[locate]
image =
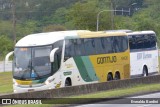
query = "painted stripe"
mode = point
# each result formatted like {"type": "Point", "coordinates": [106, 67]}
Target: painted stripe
{"type": "Point", "coordinates": [85, 68]}
{"type": "Point", "coordinates": [82, 69]}
{"type": "Point", "coordinates": [29, 82]}
{"type": "Point", "coordinates": [89, 67]}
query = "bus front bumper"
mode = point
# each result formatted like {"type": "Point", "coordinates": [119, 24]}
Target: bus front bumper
{"type": "Point", "coordinates": [22, 89]}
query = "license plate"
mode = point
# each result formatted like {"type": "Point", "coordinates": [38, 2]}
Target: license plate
{"type": "Point", "coordinates": [30, 90]}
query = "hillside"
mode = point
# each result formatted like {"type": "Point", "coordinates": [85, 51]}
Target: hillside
{"type": "Point", "coordinates": [33, 16]}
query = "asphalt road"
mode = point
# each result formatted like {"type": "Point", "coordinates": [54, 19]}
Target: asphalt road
{"type": "Point", "coordinates": [149, 100]}
{"type": "Point", "coordinates": [6, 67]}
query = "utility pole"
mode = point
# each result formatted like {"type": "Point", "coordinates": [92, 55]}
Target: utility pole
{"type": "Point", "coordinates": [112, 15]}
{"type": "Point", "coordinates": [14, 20]}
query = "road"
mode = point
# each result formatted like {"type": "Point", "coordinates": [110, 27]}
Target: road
{"type": "Point", "coordinates": [153, 99]}
{"type": "Point", "coordinates": [6, 67]}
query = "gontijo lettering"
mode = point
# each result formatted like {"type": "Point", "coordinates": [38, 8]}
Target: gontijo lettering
{"type": "Point", "coordinates": [107, 59]}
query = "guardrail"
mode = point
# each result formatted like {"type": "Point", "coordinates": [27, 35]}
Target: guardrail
{"type": "Point", "coordinates": [84, 89]}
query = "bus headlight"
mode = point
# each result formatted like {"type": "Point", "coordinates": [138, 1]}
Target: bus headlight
{"type": "Point", "coordinates": [15, 83]}
{"type": "Point", "coordinates": [15, 91]}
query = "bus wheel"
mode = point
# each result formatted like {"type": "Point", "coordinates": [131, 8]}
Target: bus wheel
{"type": "Point", "coordinates": [117, 76]}
{"type": "Point", "coordinates": [109, 77]}
{"type": "Point", "coordinates": [68, 82]}
{"type": "Point", "coordinates": [145, 71]}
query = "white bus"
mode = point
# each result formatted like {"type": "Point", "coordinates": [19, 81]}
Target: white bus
{"type": "Point", "coordinates": [143, 53]}
{"type": "Point", "coordinates": [68, 58]}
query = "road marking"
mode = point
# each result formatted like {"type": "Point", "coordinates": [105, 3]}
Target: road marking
{"type": "Point", "coordinates": [146, 105]}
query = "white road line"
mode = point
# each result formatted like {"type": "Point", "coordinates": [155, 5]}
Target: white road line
{"type": "Point", "coordinates": [146, 105]}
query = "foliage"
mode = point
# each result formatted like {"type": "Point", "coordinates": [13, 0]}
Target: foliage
{"type": "Point", "coordinates": [6, 45]}
{"type": "Point", "coordinates": [51, 28]}
{"type": "Point", "coordinates": [6, 28]}
{"type": "Point", "coordinates": [27, 27]}
{"type": "Point", "coordinates": [33, 16]}
{"type": "Point", "coordinates": [83, 15]}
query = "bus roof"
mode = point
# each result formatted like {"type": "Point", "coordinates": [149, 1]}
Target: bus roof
{"type": "Point", "coordinates": [120, 30]}
{"type": "Point", "coordinates": [46, 38]}
{"type": "Point", "coordinates": [141, 32]}
{"type": "Point", "coordinates": [101, 34]}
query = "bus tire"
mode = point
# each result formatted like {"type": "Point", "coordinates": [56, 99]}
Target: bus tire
{"type": "Point", "coordinates": [145, 71]}
{"type": "Point", "coordinates": [68, 82]}
{"type": "Point", "coordinates": [117, 76]}
{"type": "Point", "coordinates": [109, 77]}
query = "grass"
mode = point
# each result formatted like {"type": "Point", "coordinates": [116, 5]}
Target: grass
{"type": "Point", "coordinates": [6, 82]}
{"type": "Point", "coordinates": [144, 88]}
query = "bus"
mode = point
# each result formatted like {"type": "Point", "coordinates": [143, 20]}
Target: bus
{"type": "Point", "coordinates": [143, 53]}
{"type": "Point", "coordinates": [68, 58]}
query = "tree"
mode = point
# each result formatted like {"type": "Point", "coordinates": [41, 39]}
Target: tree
{"type": "Point", "coordinates": [27, 27]}
{"type": "Point", "coordinates": [84, 15]}
{"type": "Point", "coordinates": [51, 28]}
{"type": "Point", "coordinates": [6, 45]}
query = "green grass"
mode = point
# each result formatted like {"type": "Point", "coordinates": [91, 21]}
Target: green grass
{"type": "Point", "coordinates": [6, 82]}
{"type": "Point", "coordinates": [122, 92]}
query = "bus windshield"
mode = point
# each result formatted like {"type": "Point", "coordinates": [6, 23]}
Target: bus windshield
{"type": "Point", "coordinates": [32, 63]}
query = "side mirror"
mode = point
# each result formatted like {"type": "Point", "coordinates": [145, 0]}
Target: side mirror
{"type": "Point", "coordinates": [52, 54]}
{"type": "Point", "coordinates": [7, 56]}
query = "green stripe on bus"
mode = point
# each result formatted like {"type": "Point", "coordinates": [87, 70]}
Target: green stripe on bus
{"type": "Point", "coordinates": [90, 70]}
{"type": "Point", "coordinates": [82, 69]}
{"type": "Point", "coordinates": [39, 81]}
{"type": "Point", "coordinates": [85, 68]}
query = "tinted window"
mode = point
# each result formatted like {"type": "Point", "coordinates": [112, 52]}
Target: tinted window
{"type": "Point", "coordinates": [120, 43]}
{"type": "Point", "coordinates": [152, 41]}
{"type": "Point", "coordinates": [79, 47]}
{"type": "Point", "coordinates": [132, 42]}
{"type": "Point", "coordinates": [58, 55]}
{"type": "Point", "coordinates": [107, 43]}
{"type": "Point", "coordinates": [99, 46]}
{"type": "Point", "coordinates": [89, 46]}
{"type": "Point", "coordinates": [147, 41]}
{"type": "Point", "coordinates": [140, 41]}
{"type": "Point", "coordinates": [69, 48]}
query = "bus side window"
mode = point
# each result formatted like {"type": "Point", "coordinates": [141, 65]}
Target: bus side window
{"type": "Point", "coordinates": [116, 44]}
{"type": "Point", "coordinates": [56, 63]}
{"type": "Point", "coordinates": [67, 54]}
{"type": "Point", "coordinates": [79, 47]}
{"type": "Point", "coordinates": [69, 49]}
{"type": "Point", "coordinates": [89, 46]}
{"type": "Point", "coordinates": [99, 47]}
{"type": "Point", "coordinates": [58, 54]}
{"type": "Point", "coordinates": [104, 45]}
{"type": "Point", "coordinates": [132, 42]}
{"type": "Point", "coordinates": [146, 41]}
{"type": "Point", "coordinates": [108, 44]}
{"type": "Point", "coordinates": [140, 41]}
{"type": "Point", "coordinates": [152, 41]}
{"type": "Point", "coordinates": [124, 43]}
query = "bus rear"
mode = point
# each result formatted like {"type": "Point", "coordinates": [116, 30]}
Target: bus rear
{"type": "Point", "coordinates": [144, 53]}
